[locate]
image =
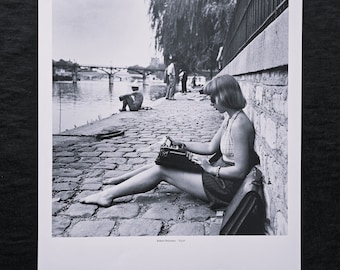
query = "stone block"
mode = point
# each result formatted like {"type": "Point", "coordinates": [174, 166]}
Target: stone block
{"type": "Point", "coordinates": [135, 141]}
{"type": "Point", "coordinates": [67, 179]}
{"type": "Point", "coordinates": [95, 173]}
{"type": "Point", "coordinates": [258, 95]}
{"type": "Point", "coordinates": [84, 194]}
{"type": "Point", "coordinates": [57, 206]}
{"type": "Point", "coordinates": [131, 155]}
{"type": "Point", "coordinates": [78, 165]}
{"type": "Point", "coordinates": [267, 104]}
{"type": "Point", "coordinates": [81, 210]}
{"type": "Point", "coordinates": [119, 211]}
{"type": "Point", "coordinates": [271, 133]}
{"type": "Point", "coordinates": [89, 159]}
{"type": "Point", "coordinates": [59, 225]}
{"type": "Point", "coordinates": [125, 167]}
{"type": "Point", "coordinates": [126, 149]}
{"type": "Point", "coordinates": [124, 199]}
{"type": "Point", "coordinates": [93, 180]}
{"type": "Point", "coordinates": [198, 213]}
{"type": "Point", "coordinates": [153, 197]}
{"type": "Point", "coordinates": [114, 173]}
{"type": "Point", "coordinates": [86, 149]}
{"type": "Point", "coordinates": [282, 141]}
{"type": "Point", "coordinates": [269, 168]}
{"type": "Point", "coordinates": [188, 200]}
{"type": "Point", "coordinates": [280, 224]}
{"type": "Point", "coordinates": [89, 154]}
{"type": "Point", "coordinates": [99, 228]}
{"type": "Point", "coordinates": [133, 161]}
{"type": "Point", "coordinates": [279, 101]}
{"type": "Point", "coordinates": [91, 186]}
{"type": "Point", "coordinates": [66, 160]}
{"type": "Point", "coordinates": [140, 227]}
{"type": "Point", "coordinates": [262, 129]}
{"type": "Point", "coordinates": [65, 195]}
{"type": "Point", "coordinates": [64, 186]}
{"type": "Point", "coordinates": [64, 172]}
{"type": "Point", "coordinates": [164, 211]}
{"type": "Point", "coordinates": [149, 154]}
{"type": "Point", "coordinates": [105, 147]}
{"type": "Point", "coordinates": [256, 122]}
{"type": "Point", "coordinates": [166, 188]}
{"type": "Point", "coordinates": [111, 154]}
{"type": "Point", "coordinates": [115, 160]}
{"type": "Point", "coordinates": [186, 229]}
{"type": "Point", "coordinates": [64, 154]}
{"type": "Point", "coordinates": [109, 164]}
{"type": "Point", "coordinates": [124, 145]}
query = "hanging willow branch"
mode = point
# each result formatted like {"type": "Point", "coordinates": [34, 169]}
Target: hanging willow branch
{"type": "Point", "coordinates": [192, 30]}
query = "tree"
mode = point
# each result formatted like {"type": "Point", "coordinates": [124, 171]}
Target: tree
{"type": "Point", "coordinates": [191, 30]}
{"type": "Point", "coordinates": [67, 65]}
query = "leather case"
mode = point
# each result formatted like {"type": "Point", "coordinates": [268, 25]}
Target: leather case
{"type": "Point", "coordinates": [246, 213]}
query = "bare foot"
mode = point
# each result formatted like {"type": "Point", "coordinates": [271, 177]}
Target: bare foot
{"type": "Point", "coordinates": [98, 199]}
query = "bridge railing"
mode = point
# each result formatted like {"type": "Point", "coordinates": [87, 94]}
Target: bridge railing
{"type": "Point", "coordinates": [250, 18]}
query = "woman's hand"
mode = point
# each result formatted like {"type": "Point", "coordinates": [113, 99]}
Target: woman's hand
{"type": "Point", "coordinates": [179, 144]}
{"type": "Point", "coordinates": [207, 166]}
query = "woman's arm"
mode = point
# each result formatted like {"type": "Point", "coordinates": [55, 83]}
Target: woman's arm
{"type": "Point", "coordinates": [240, 133]}
{"type": "Point", "coordinates": [207, 148]}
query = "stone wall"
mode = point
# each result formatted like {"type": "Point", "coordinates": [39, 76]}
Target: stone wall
{"type": "Point", "coordinates": [262, 71]}
{"type": "Point", "coordinates": [267, 93]}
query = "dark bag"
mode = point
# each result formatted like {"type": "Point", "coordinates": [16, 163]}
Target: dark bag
{"type": "Point", "coordinates": [245, 214]}
{"type": "Point", "coordinates": [166, 77]}
{"type": "Point", "coordinates": [175, 156]}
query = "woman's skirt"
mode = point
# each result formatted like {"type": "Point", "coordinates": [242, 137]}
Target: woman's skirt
{"type": "Point", "coordinates": [220, 191]}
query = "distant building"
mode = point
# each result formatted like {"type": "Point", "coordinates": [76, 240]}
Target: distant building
{"type": "Point", "coordinates": [155, 62]}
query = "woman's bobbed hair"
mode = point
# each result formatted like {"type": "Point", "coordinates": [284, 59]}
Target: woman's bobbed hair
{"type": "Point", "coordinates": [228, 91]}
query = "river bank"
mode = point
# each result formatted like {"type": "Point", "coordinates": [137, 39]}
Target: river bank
{"type": "Point", "coordinates": [89, 101]}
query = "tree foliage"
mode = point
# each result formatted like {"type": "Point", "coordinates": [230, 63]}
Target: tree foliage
{"type": "Point", "coordinates": [67, 65]}
{"type": "Point", "coordinates": [191, 30]}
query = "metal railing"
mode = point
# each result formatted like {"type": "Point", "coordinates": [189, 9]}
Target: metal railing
{"type": "Point", "coordinates": [250, 18]}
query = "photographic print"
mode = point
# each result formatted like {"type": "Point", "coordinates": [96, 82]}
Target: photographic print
{"type": "Point", "coordinates": [171, 125]}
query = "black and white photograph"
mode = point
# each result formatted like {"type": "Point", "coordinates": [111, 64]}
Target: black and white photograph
{"type": "Point", "coordinates": [170, 126]}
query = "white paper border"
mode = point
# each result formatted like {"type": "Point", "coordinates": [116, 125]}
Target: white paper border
{"type": "Point", "coordinates": [204, 252]}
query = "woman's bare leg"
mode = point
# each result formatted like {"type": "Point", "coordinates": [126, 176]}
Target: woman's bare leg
{"type": "Point", "coordinates": [123, 177]}
{"type": "Point", "coordinates": [189, 182]}
{"type": "Point", "coordinates": [147, 180]}
{"type": "Point", "coordinates": [142, 182]}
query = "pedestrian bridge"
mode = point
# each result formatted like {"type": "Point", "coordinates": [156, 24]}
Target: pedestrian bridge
{"type": "Point", "coordinates": [109, 70]}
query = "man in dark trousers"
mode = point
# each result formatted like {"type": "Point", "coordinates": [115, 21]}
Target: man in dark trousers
{"type": "Point", "coordinates": [134, 100]}
{"type": "Point", "coordinates": [171, 73]}
{"type": "Point", "coordinates": [183, 77]}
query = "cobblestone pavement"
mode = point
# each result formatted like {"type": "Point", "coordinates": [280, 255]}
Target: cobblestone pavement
{"type": "Point", "coordinates": [81, 163]}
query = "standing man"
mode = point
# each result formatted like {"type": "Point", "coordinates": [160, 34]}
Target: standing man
{"type": "Point", "coordinates": [171, 72]}
{"type": "Point", "coordinates": [193, 82]}
{"type": "Point", "coordinates": [184, 77]}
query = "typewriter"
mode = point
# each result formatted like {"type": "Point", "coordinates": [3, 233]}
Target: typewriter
{"type": "Point", "coordinates": [175, 156]}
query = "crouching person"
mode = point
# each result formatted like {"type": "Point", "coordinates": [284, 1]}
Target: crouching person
{"type": "Point", "coordinates": [133, 101]}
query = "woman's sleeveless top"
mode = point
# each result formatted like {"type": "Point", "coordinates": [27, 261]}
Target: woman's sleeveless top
{"type": "Point", "coordinates": [226, 143]}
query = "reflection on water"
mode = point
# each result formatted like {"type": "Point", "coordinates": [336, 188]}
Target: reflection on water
{"type": "Point", "coordinates": [87, 101]}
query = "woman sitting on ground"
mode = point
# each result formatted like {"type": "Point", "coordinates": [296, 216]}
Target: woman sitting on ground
{"type": "Point", "coordinates": [218, 182]}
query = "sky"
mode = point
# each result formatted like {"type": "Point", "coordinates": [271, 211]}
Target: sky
{"type": "Point", "coordinates": [102, 32]}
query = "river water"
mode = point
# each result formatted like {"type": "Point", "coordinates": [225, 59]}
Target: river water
{"type": "Point", "coordinates": [77, 104]}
